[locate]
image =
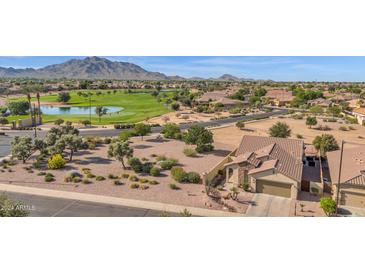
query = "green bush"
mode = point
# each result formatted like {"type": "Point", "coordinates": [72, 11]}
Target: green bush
{"type": "Point", "coordinates": [135, 164]}
{"type": "Point", "coordinates": [146, 168]}
{"type": "Point", "coordinates": [193, 177]}
{"type": "Point", "coordinates": [328, 205]}
{"type": "Point", "coordinates": [155, 171]}
{"type": "Point", "coordinates": [49, 177]}
{"type": "Point", "coordinates": [168, 164]}
{"type": "Point", "coordinates": [161, 158]}
{"type": "Point", "coordinates": [56, 162]}
{"type": "Point", "coordinates": [100, 178]}
{"type": "Point", "coordinates": [189, 152]}
{"type": "Point", "coordinates": [178, 174]}
{"type": "Point", "coordinates": [153, 182]}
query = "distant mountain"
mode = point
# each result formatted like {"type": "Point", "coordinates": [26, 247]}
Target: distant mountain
{"type": "Point", "coordinates": [88, 68]}
{"type": "Point", "coordinates": [97, 68]}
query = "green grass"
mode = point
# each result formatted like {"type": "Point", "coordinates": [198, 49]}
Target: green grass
{"type": "Point", "coordinates": [137, 106]}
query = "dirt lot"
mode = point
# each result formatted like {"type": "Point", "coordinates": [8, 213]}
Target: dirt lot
{"type": "Point", "coordinates": [186, 116]}
{"type": "Point", "coordinates": [231, 135]}
{"type": "Point", "coordinates": [100, 165]}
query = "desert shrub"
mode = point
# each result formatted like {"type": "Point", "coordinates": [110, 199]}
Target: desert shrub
{"type": "Point", "coordinates": [86, 181]}
{"type": "Point", "coordinates": [161, 158]}
{"type": "Point", "coordinates": [343, 128]}
{"type": "Point", "coordinates": [351, 128]}
{"type": "Point", "coordinates": [107, 140]}
{"type": "Point", "coordinates": [118, 183]}
{"type": "Point", "coordinates": [91, 146]}
{"type": "Point", "coordinates": [135, 164]}
{"type": "Point", "coordinates": [134, 186]}
{"type": "Point", "coordinates": [178, 174]}
{"type": "Point", "coordinates": [58, 122]}
{"type": "Point", "coordinates": [299, 136]}
{"type": "Point", "coordinates": [143, 181]}
{"type": "Point", "coordinates": [112, 176]}
{"type": "Point", "coordinates": [146, 168]}
{"type": "Point", "coordinates": [153, 155]}
{"type": "Point", "coordinates": [100, 178]}
{"type": "Point", "coordinates": [168, 164]}
{"type": "Point", "coordinates": [204, 148]}
{"type": "Point", "coordinates": [133, 178]}
{"type": "Point", "coordinates": [185, 213]}
{"type": "Point", "coordinates": [90, 175]}
{"type": "Point", "coordinates": [42, 173]}
{"type": "Point", "coordinates": [155, 171]}
{"type": "Point", "coordinates": [189, 152]}
{"type": "Point", "coordinates": [125, 175]}
{"type": "Point", "coordinates": [351, 120]}
{"type": "Point", "coordinates": [76, 180]}
{"type": "Point", "coordinates": [153, 182]}
{"type": "Point", "coordinates": [37, 164]}
{"type": "Point", "coordinates": [49, 177]}
{"type": "Point", "coordinates": [56, 162]}
{"type": "Point", "coordinates": [174, 186]}
{"type": "Point", "coordinates": [144, 187]}
{"type": "Point", "coordinates": [193, 177]}
{"type": "Point", "coordinates": [245, 186]}
{"type": "Point", "coordinates": [86, 170]}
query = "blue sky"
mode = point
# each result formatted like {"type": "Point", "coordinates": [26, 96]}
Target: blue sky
{"type": "Point", "coordinates": [288, 68]}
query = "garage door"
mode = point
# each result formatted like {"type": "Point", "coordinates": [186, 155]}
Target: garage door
{"type": "Point", "coordinates": [352, 199]}
{"type": "Point", "coordinates": [273, 188]}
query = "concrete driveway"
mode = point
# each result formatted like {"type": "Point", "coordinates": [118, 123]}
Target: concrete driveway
{"type": "Point", "coordinates": [269, 206]}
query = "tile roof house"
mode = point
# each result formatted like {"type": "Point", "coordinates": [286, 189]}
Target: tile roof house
{"type": "Point", "coordinates": [219, 97]}
{"type": "Point", "coordinates": [280, 97]}
{"type": "Point", "coordinates": [352, 183]}
{"type": "Point", "coordinates": [320, 102]}
{"type": "Point", "coordinates": [269, 165]}
{"type": "Point", "coordinates": [359, 114]}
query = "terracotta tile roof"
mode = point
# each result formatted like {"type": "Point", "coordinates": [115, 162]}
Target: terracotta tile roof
{"type": "Point", "coordinates": [280, 94]}
{"type": "Point", "coordinates": [353, 165]}
{"type": "Point", "coordinates": [288, 153]}
{"type": "Point", "coordinates": [359, 111]}
{"type": "Point", "coordinates": [270, 164]}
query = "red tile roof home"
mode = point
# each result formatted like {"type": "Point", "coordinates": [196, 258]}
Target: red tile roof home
{"type": "Point", "coordinates": [283, 155]}
{"type": "Point", "coordinates": [281, 95]}
{"type": "Point", "coordinates": [353, 165]}
{"type": "Point", "coordinates": [360, 111]}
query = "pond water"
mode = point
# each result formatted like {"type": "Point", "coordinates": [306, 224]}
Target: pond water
{"type": "Point", "coordinates": [55, 110]}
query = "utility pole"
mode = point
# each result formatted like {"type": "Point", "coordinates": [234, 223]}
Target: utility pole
{"type": "Point", "coordinates": [339, 177]}
{"type": "Point", "coordinates": [90, 108]}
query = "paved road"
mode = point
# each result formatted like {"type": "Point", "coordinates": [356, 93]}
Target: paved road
{"type": "Point", "coordinates": [5, 140]}
{"type": "Point", "coordinates": [41, 206]}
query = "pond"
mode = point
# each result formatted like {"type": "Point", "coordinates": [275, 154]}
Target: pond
{"type": "Point", "coordinates": [55, 110]}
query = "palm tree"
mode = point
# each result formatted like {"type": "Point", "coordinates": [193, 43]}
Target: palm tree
{"type": "Point", "coordinates": [100, 111]}
{"type": "Point", "coordinates": [39, 107]}
{"type": "Point", "coordinates": [30, 108]}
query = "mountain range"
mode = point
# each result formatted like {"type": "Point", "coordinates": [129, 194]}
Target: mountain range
{"type": "Point", "coordinates": [98, 68]}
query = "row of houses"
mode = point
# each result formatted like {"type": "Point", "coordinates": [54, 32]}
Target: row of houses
{"type": "Point", "coordinates": [287, 167]}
